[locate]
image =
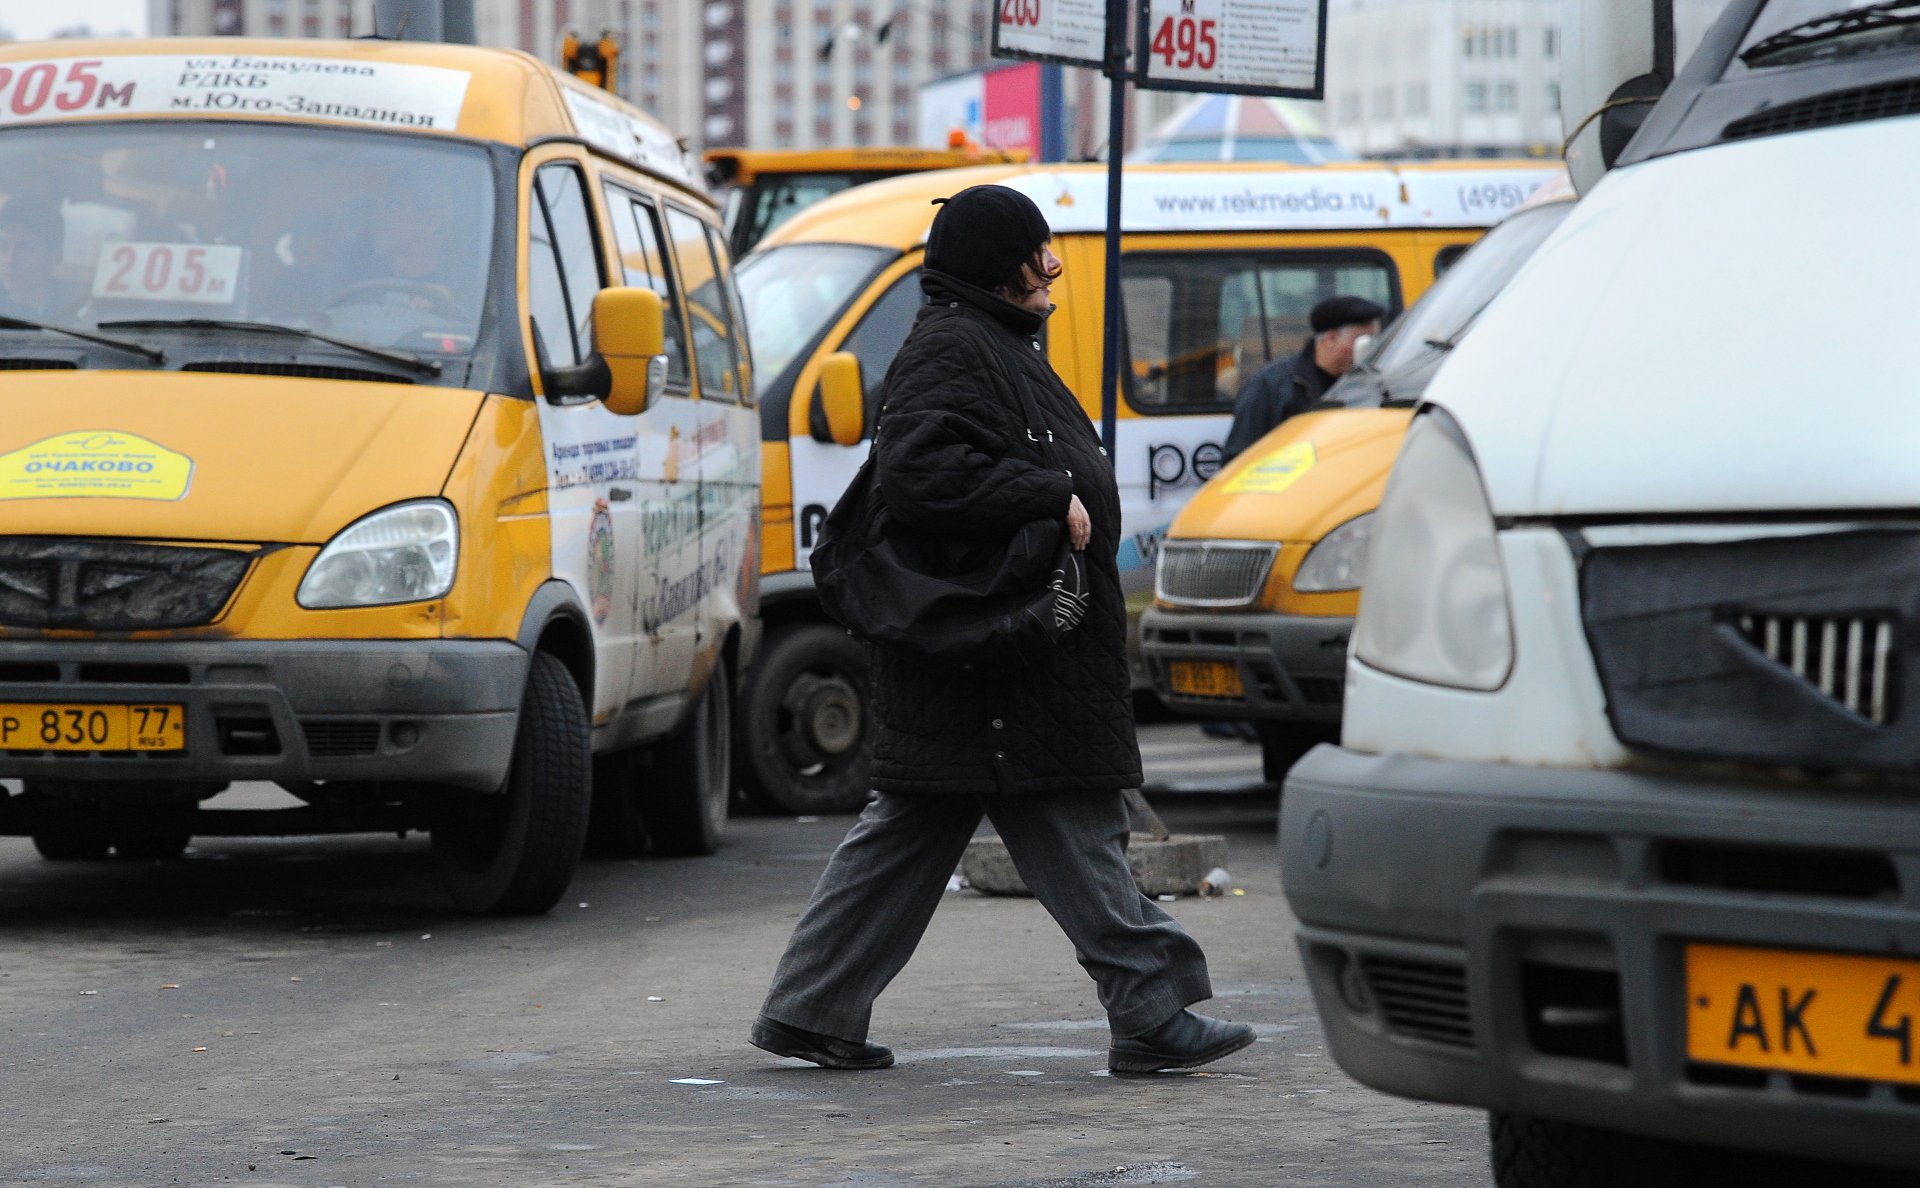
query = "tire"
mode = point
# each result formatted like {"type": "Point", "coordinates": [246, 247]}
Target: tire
{"type": "Point", "coordinates": [1282, 744]}
{"type": "Point", "coordinates": [805, 745]}
{"type": "Point", "coordinates": [158, 844]}
{"type": "Point", "coordinates": [617, 828]}
{"type": "Point", "coordinates": [514, 853]}
{"type": "Point", "coordinates": [74, 833]}
{"type": "Point", "coordinates": [1533, 1152]}
{"type": "Point", "coordinates": [684, 797]}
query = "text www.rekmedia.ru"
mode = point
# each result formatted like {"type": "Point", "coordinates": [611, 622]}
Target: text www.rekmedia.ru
{"type": "Point", "coordinates": [1249, 202]}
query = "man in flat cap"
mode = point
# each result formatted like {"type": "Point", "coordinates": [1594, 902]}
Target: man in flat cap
{"type": "Point", "coordinates": [1289, 386]}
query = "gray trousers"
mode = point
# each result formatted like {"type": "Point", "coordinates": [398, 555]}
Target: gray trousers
{"type": "Point", "coordinates": [881, 886]}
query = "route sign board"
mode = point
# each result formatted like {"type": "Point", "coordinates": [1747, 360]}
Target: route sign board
{"type": "Point", "coordinates": [1251, 47]}
{"type": "Point", "coordinates": [1069, 32]}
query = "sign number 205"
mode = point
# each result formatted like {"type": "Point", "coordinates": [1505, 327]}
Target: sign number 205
{"type": "Point", "coordinates": [201, 273]}
{"type": "Point", "coordinates": [1020, 12]}
{"type": "Point", "coordinates": [1189, 38]}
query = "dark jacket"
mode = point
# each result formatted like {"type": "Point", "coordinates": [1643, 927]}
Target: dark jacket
{"type": "Point", "coordinates": [1283, 388]}
{"type": "Point", "coordinates": [955, 461]}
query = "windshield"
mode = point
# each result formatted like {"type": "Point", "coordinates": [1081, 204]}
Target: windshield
{"type": "Point", "coordinates": [1791, 32]}
{"type": "Point", "coordinates": [793, 292]}
{"type": "Point", "coordinates": [776, 197]}
{"type": "Point", "coordinates": [1445, 311]}
{"type": "Point", "coordinates": [376, 239]}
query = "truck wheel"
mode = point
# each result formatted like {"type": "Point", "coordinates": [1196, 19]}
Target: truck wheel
{"type": "Point", "coordinates": [805, 721]}
{"type": "Point", "coordinates": [616, 829]}
{"type": "Point", "coordinates": [1533, 1152]}
{"type": "Point", "coordinates": [684, 798]}
{"type": "Point", "coordinates": [71, 832]}
{"type": "Point", "coordinates": [515, 853]}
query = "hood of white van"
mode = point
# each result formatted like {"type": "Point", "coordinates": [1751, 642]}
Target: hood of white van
{"type": "Point", "coordinates": [1723, 330]}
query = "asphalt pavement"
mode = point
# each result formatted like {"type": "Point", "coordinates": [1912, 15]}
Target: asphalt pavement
{"type": "Point", "coordinates": [312, 1012]}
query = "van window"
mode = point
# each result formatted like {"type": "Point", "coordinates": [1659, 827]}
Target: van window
{"type": "Point", "coordinates": [707, 315]}
{"type": "Point", "coordinates": [636, 228]}
{"type": "Point", "coordinates": [736, 318]}
{"type": "Point", "coordinates": [564, 272]}
{"type": "Point", "coordinates": [1445, 257]}
{"type": "Point", "coordinates": [1200, 324]}
{"type": "Point", "coordinates": [875, 341]}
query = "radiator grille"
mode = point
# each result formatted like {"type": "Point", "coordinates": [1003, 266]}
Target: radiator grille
{"type": "Point", "coordinates": [340, 740]}
{"type": "Point", "coordinates": [1421, 999]}
{"type": "Point", "coordinates": [1212, 573]}
{"type": "Point", "coordinates": [1838, 107]}
{"type": "Point", "coordinates": [113, 585]}
{"type": "Point", "coordinates": [1848, 659]}
{"type": "Point", "coordinates": [38, 365]}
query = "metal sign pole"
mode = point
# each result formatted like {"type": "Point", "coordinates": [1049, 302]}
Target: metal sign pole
{"type": "Point", "coordinates": [1111, 356]}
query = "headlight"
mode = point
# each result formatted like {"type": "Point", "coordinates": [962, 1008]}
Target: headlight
{"type": "Point", "coordinates": [1339, 561]}
{"type": "Point", "coordinates": [404, 553]}
{"type": "Point", "coordinates": [1434, 606]}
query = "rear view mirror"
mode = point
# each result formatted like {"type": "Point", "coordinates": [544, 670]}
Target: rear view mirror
{"type": "Point", "coordinates": [843, 397]}
{"type": "Point", "coordinates": [630, 333]}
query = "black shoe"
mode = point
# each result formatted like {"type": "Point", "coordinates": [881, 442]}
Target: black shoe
{"type": "Point", "coordinates": [1185, 1041]}
{"type": "Point", "coordinates": [824, 1050]}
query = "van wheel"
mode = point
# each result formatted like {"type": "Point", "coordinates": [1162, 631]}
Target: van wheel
{"type": "Point", "coordinates": [806, 721]}
{"type": "Point", "coordinates": [685, 798]}
{"type": "Point", "coordinates": [69, 832]}
{"type": "Point", "coordinates": [616, 828]}
{"type": "Point", "coordinates": [1283, 744]}
{"type": "Point", "coordinates": [514, 853]}
{"type": "Point", "coordinates": [1533, 1152]}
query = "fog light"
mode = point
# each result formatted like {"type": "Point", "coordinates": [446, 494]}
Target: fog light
{"type": "Point", "coordinates": [1353, 986]}
{"type": "Point", "coordinates": [403, 734]}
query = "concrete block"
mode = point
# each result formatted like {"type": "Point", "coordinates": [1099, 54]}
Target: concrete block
{"type": "Point", "coordinates": [1171, 867]}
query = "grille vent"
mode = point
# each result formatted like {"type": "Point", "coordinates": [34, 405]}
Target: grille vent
{"type": "Point", "coordinates": [38, 365]}
{"type": "Point", "coordinates": [302, 371]}
{"type": "Point", "coordinates": [1212, 573]}
{"type": "Point", "coordinates": [1837, 107]}
{"type": "Point", "coordinates": [1421, 999]}
{"type": "Point", "coordinates": [113, 585]}
{"type": "Point", "coordinates": [340, 740]}
{"type": "Point", "coordinates": [1850, 660]}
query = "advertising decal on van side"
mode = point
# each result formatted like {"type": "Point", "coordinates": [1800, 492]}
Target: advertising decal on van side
{"type": "Point", "coordinates": [356, 91]}
{"type": "Point", "coordinates": [632, 140]}
{"type": "Point", "coordinates": [1275, 200]}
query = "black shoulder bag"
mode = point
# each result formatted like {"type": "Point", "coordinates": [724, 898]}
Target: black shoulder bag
{"type": "Point", "coordinates": [945, 604]}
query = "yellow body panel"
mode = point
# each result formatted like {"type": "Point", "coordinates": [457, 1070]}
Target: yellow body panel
{"type": "Point", "coordinates": [506, 551]}
{"type": "Point", "coordinates": [749, 164]}
{"type": "Point", "coordinates": [275, 460]}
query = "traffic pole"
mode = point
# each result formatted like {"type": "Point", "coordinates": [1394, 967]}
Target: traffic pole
{"type": "Point", "coordinates": [1111, 361]}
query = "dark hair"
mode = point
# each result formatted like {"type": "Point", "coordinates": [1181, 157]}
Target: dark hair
{"type": "Point", "coordinates": [1017, 286]}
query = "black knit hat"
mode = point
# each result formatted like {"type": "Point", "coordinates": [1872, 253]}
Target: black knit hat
{"type": "Point", "coordinates": [983, 235]}
{"type": "Point", "coordinates": [1335, 312]}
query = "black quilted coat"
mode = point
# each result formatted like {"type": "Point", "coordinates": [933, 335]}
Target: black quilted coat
{"type": "Point", "coordinates": [955, 461]}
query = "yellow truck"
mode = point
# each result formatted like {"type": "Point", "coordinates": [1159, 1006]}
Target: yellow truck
{"type": "Point", "coordinates": [763, 188]}
{"type": "Point", "coordinates": [1259, 578]}
{"type": "Point", "coordinates": [1222, 264]}
{"type": "Point", "coordinates": [379, 423]}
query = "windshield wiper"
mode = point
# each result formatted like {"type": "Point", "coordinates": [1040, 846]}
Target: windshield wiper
{"type": "Point", "coordinates": [397, 358]}
{"type": "Point", "coordinates": [119, 344]}
{"type": "Point", "coordinates": [1847, 21]}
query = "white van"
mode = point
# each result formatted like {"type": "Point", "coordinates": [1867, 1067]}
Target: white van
{"type": "Point", "coordinates": [1622, 839]}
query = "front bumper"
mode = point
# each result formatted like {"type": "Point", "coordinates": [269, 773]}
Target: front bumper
{"type": "Point", "coordinates": [1292, 667]}
{"type": "Point", "coordinates": [1440, 900]}
{"type": "Point", "coordinates": [431, 711]}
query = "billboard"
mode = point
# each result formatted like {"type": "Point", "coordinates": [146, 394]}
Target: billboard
{"type": "Point", "coordinates": [998, 108]}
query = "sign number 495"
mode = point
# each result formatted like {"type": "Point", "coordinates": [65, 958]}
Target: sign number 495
{"type": "Point", "coordinates": [1189, 38]}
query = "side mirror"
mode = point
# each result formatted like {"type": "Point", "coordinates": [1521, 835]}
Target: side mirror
{"type": "Point", "coordinates": [843, 397]}
{"type": "Point", "coordinates": [630, 333]}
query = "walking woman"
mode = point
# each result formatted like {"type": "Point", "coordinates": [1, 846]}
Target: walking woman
{"type": "Point", "coordinates": [1044, 753]}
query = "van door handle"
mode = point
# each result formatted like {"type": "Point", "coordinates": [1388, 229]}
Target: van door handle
{"type": "Point", "coordinates": [619, 494]}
